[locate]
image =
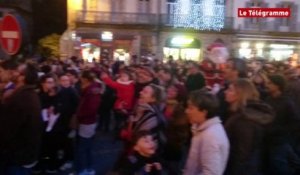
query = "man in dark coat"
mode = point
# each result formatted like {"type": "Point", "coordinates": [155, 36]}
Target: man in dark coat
{"type": "Point", "coordinates": [235, 68]}
{"type": "Point", "coordinates": [195, 79]}
{"type": "Point", "coordinates": [246, 132]}
{"type": "Point", "coordinates": [21, 126]}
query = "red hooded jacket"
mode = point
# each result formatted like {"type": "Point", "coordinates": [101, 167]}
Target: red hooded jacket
{"type": "Point", "coordinates": [125, 93]}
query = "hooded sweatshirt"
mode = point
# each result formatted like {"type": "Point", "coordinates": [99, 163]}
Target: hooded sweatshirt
{"type": "Point", "coordinates": [125, 93]}
{"type": "Point", "coordinates": [246, 130]}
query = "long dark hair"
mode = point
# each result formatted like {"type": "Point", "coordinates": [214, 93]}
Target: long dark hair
{"type": "Point", "coordinates": [31, 74]}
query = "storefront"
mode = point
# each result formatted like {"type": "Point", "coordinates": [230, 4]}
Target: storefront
{"type": "Point", "coordinates": [270, 50]}
{"type": "Point", "coordinates": [90, 50]}
{"type": "Point", "coordinates": [104, 45]}
{"type": "Point", "coordinates": [182, 47]}
{"type": "Point", "coordinates": [122, 49]}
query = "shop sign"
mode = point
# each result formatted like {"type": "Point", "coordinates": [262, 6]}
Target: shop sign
{"type": "Point", "coordinates": [107, 36]}
{"type": "Point", "coordinates": [182, 42]}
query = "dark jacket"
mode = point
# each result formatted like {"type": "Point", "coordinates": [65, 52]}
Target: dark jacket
{"type": "Point", "coordinates": [135, 164]}
{"type": "Point", "coordinates": [89, 104]}
{"type": "Point", "coordinates": [195, 82]}
{"type": "Point", "coordinates": [223, 104]}
{"type": "Point", "coordinates": [293, 91]}
{"type": "Point", "coordinates": [47, 101]}
{"type": "Point", "coordinates": [285, 110]}
{"type": "Point", "coordinates": [245, 130]}
{"type": "Point", "coordinates": [281, 155]}
{"type": "Point", "coordinates": [67, 102]}
{"type": "Point", "coordinates": [20, 127]}
{"type": "Point", "coordinates": [177, 133]}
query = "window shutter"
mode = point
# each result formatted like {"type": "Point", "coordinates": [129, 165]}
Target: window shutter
{"type": "Point", "coordinates": [247, 21]}
{"type": "Point", "coordinates": [278, 21]}
{"type": "Point", "coordinates": [263, 21]}
{"type": "Point", "coordinates": [294, 15]}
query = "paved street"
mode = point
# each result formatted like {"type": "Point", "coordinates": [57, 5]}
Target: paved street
{"type": "Point", "coordinates": [105, 153]}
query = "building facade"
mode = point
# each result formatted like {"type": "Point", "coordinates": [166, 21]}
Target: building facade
{"type": "Point", "coordinates": [120, 29]}
{"type": "Point", "coordinates": [270, 38]}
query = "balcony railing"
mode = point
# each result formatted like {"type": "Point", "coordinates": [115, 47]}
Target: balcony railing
{"type": "Point", "coordinates": [270, 26]}
{"type": "Point", "coordinates": [138, 18]}
{"type": "Point", "coordinates": [116, 18]}
{"type": "Point", "coordinates": [183, 20]}
{"type": "Point", "coordinates": [97, 17]}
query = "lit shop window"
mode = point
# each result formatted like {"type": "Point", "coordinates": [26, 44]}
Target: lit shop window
{"type": "Point", "coordinates": [90, 52]}
{"type": "Point", "coordinates": [259, 49]}
{"type": "Point", "coordinates": [245, 51]}
{"type": "Point", "coordinates": [281, 51]}
{"type": "Point", "coordinates": [122, 55]}
{"type": "Point", "coordinates": [185, 53]}
{"type": "Point", "coordinates": [171, 51]}
{"type": "Point", "coordinates": [190, 54]}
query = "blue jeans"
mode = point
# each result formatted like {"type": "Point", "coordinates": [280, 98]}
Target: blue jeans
{"type": "Point", "coordinates": [15, 170]}
{"type": "Point", "coordinates": [83, 153]}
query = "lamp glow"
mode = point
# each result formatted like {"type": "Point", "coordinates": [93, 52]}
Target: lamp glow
{"type": "Point", "coordinates": [245, 45]}
{"type": "Point", "coordinates": [181, 41]}
{"type": "Point", "coordinates": [107, 36]}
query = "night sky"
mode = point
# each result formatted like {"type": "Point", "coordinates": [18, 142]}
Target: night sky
{"type": "Point", "coordinates": [49, 16]}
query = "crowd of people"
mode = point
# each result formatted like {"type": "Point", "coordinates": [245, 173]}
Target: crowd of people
{"type": "Point", "coordinates": [174, 117]}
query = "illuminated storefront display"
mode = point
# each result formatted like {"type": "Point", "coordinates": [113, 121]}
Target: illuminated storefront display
{"type": "Point", "coordinates": [90, 52]}
{"type": "Point", "coordinates": [259, 49]}
{"type": "Point", "coordinates": [281, 51]}
{"type": "Point", "coordinates": [270, 51]}
{"type": "Point", "coordinates": [184, 47]}
{"type": "Point", "coordinates": [245, 51]}
{"type": "Point", "coordinates": [122, 50]}
{"type": "Point", "coordinates": [107, 36]}
{"type": "Point", "coordinates": [121, 55]}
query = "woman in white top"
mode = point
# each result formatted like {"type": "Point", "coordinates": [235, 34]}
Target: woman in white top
{"type": "Point", "coordinates": [209, 145]}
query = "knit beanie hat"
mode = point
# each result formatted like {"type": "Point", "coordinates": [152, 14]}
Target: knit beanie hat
{"type": "Point", "coordinates": [279, 81]}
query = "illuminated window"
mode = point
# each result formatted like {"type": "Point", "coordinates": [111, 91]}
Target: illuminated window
{"type": "Point", "coordinates": [245, 53]}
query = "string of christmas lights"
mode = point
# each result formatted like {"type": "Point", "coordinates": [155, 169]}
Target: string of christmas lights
{"type": "Point", "coordinates": [200, 15]}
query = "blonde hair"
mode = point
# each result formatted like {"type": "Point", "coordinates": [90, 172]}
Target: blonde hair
{"type": "Point", "coordinates": [246, 91]}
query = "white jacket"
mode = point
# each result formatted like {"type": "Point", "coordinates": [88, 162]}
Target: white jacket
{"type": "Point", "coordinates": [209, 149]}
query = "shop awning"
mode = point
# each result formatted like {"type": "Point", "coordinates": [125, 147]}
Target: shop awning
{"type": "Point", "coordinates": [183, 42]}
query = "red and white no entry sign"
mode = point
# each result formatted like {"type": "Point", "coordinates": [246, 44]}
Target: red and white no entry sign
{"type": "Point", "coordinates": [10, 34]}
